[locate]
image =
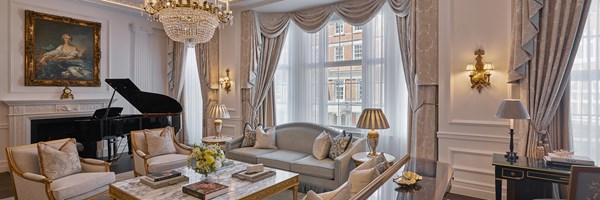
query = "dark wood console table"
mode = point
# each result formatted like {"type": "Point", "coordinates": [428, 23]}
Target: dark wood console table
{"type": "Point", "coordinates": [528, 178]}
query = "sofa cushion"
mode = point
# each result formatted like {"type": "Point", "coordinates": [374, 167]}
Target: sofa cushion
{"type": "Point", "coordinates": [247, 154]}
{"type": "Point", "coordinates": [166, 162]}
{"type": "Point", "coordinates": [81, 183]}
{"type": "Point", "coordinates": [339, 144]}
{"type": "Point", "coordinates": [313, 167]}
{"type": "Point", "coordinates": [249, 136]}
{"type": "Point", "coordinates": [321, 146]}
{"type": "Point", "coordinates": [265, 140]}
{"type": "Point", "coordinates": [281, 159]}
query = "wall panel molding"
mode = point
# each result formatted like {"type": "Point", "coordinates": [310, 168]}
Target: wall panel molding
{"type": "Point", "coordinates": [477, 137]}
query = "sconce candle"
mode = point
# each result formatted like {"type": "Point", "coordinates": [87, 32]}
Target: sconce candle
{"type": "Point", "coordinates": [480, 74]}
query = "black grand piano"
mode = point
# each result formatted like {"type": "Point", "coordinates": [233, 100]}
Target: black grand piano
{"type": "Point", "coordinates": [107, 123]}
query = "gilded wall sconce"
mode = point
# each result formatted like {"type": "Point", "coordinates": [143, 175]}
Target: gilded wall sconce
{"type": "Point", "coordinates": [480, 72]}
{"type": "Point", "coordinates": [225, 82]}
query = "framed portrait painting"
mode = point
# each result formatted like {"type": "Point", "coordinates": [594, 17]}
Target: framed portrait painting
{"type": "Point", "coordinates": [61, 51]}
{"type": "Point", "coordinates": [585, 183]}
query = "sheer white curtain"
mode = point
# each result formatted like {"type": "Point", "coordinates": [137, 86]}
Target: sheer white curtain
{"type": "Point", "coordinates": [300, 80]}
{"type": "Point", "coordinates": [371, 76]}
{"type": "Point", "coordinates": [192, 100]}
{"type": "Point", "coordinates": [585, 89]}
{"type": "Point", "coordinates": [383, 80]}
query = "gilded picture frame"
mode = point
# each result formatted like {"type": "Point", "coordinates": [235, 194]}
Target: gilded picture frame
{"type": "Point", "coordinates": [61, 51]}
{"type": "Point", "coordinates": [585, 182]}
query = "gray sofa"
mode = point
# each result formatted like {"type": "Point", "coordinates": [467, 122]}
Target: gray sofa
{"type": "Point", "coordinates": [295, 142]}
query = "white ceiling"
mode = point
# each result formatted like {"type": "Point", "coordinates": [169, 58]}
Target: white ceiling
{"type": "Point", "coordinates": [257, 5]}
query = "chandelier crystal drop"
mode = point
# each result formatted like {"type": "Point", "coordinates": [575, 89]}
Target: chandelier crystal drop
{"type": "Point", "coordinates": [189, 21]}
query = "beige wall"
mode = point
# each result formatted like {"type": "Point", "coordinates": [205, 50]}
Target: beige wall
{"type": "Point", "coordinates": [468, 131]}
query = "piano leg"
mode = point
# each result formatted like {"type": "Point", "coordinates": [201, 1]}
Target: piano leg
{"type": "Point", "coordinates": [109, 142]}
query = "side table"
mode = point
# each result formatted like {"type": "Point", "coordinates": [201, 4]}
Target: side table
{"type": "Point", "coordinates": [210, 140]}
{"type": "Point", "coordinates": [361, 157]}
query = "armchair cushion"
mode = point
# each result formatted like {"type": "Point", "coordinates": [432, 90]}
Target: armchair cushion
{"type": "Point", "coordinates": [317, 168]}
{"type": "Point", "coordinates": [61, 162]}
{"type": "Point", "coordinates": [166, 162]}
{"type": "Point", "coordinates": [160, 144]}
{"type": "Point", "coordinates": [248, 154]}
{"type": "Point", "coordinates": [281, 159]}
{"type": "Point", "coordinates": [78, 184]}
{"type": "Point", "coordinates": [361, 178]}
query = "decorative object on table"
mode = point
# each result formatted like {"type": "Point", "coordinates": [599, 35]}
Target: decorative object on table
{"type": "Point", "coordinates": [585, 183]}
{"type": "Point", "coordinates": [67, 93]}
{"type": "Point", "coordinates": [210, 140]}
{"type": "Point", "coordinates": [339, 144]}
{"type": "Point", "coordinates": [218, 111]}
{"type": "Point", "coordinates": [480, 72]}
{"type": "Point", "coordinates": [205, 189]}
{"type": "Point", "coordinates": [255, 168]}
{"type": "Point", "coordinates": [61, 51]}
{"type": "Point", "coordinates": [253, 176]}
{"type": "Point", "coordinates": [163, 175]}
{"type": "Point", "coordinates": [372, 118]}
{"type": "Point", "coordinates": [567, 159]}
{"type": "Point", "coordinates": [191, 21]}
{"type": "Point", "coordinates": [163, 183]}
{"type": "Point", "coordinates": [206, 159]}
{"type": "Point", "coordinates": [321, 146]}
{"type": "Point", "coordinates": [407, 179]}
{"type": "Point", "coordinates": [512, 109]}
{"type": "Point", "coordinates": [225, 82]}
{"type": "Point", "coordinates": [265, 140]}
{"type": "Point", "coordinates": [249, 135]}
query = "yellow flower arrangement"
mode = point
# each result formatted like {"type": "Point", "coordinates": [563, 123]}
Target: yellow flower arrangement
{"type": "Point", "coordinates": [205, 159]}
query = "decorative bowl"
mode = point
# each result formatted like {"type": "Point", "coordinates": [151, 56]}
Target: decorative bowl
{"type": "Point", "coordinates": [412, 175]}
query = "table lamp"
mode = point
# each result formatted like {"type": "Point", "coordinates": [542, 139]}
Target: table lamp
{"type": "Point", "coordinates": [372, 118]}
{"type": "Point", "coordinates": [512, 109]}
{"type": "Point", "coordinates": [218, 111]}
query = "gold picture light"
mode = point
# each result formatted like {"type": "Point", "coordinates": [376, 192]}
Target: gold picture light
{"type": "Point", "coordinates": [480, 72]}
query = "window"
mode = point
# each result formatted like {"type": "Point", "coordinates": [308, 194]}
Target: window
{"type": "Point", "coordinates": [339, 90]}
{"type": "Point", "coordinates": [585, 90]}
{"type": "Point", "coordinates": [356, 29]}
{"type": "Point", "coordinates": [338, 53]}
{"type": "Point", "coordinates": [357, 52]}
{"type": "Point", "coordinates": [339, 27]}
{"type": "Point", "coordinates": [192, 100]}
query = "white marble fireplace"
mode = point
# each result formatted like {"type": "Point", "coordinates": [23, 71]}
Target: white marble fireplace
{"type": "Point", "coordinates": [22, 112]}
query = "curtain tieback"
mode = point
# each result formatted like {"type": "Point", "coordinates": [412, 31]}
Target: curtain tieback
{"type": "Point", "coordinates": [421, 104]}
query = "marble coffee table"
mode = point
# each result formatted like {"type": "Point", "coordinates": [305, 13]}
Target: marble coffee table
{"type": "Point", "coordinates": [238, 189]}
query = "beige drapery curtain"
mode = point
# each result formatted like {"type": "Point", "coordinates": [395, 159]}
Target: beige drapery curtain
{"type": "Point", "coordinates": [421, 80]}
{"type": "Point", "coordinates": [201, 51]}
{"type": "Point", "coordinates": [545, 41]}
{"type": "Point", "coordinates": [176, 56]}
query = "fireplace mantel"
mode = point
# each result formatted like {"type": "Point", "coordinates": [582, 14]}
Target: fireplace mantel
{"type": "Point", "coordinates": [21, 112]}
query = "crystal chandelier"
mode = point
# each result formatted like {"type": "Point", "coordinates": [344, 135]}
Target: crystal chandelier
{"type": "Point", "coordinates": [189, 21]}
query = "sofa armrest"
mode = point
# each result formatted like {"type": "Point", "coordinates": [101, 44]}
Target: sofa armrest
{"type": "Point", "coordinates": [94, 165]}
{"type": "Point", "coordinates": [235, 143]}
{"type": "Point", "coordinates": [342, 163]}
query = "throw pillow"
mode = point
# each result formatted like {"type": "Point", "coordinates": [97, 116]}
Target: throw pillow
{"type": "Point", "coordinates": [339, 144]}
{"type": "Point", "coordinates": [265, 140]}
{"type": "Point", "coordinates": [321, 146]}
{"type": "Point", "coordinates": [61, 162]}
{"type": "Point", "coordinates": [249, 136]}
{"type": "Point", "coordinates": [358, 179]}
{"type": "Point", "coordinates": [310, 195]}
{"type": "Point", "coordinates": [381, 163]}
{"type": "Point", "coordinates": [344, 193]}
{"type": "Point", "coordinates": [160, 144]}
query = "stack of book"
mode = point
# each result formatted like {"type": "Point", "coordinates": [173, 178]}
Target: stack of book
{"type": "Point", "coordinates": [205, 189]}
{"type": "Point", "coordinates": [553, 159]}
{"type": "Point", "coordinates": [162, 179]}
{"type": "Point", "coordinates": [253, 176]}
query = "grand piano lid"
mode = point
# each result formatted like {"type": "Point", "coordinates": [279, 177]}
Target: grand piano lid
{"type": "Point", "coordinates": [145, 102]}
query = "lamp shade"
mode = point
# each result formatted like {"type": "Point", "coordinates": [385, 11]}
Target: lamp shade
{"type": "Point", "coordinates": [218, 111]}
{"type": "Point", "coordinates": [488, 66]}
{"type": "Point", "coordinates": [372, 118]}
{"type": "Point", "coordinates": [470, 67]}
{"type": "Point", "coordinates": [512, 109]}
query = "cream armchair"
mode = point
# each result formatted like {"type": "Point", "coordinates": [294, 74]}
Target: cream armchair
{"type": "Point", "coordinates": [30, 184]}
{"type": "Point", "coordinates": [144, 164]}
